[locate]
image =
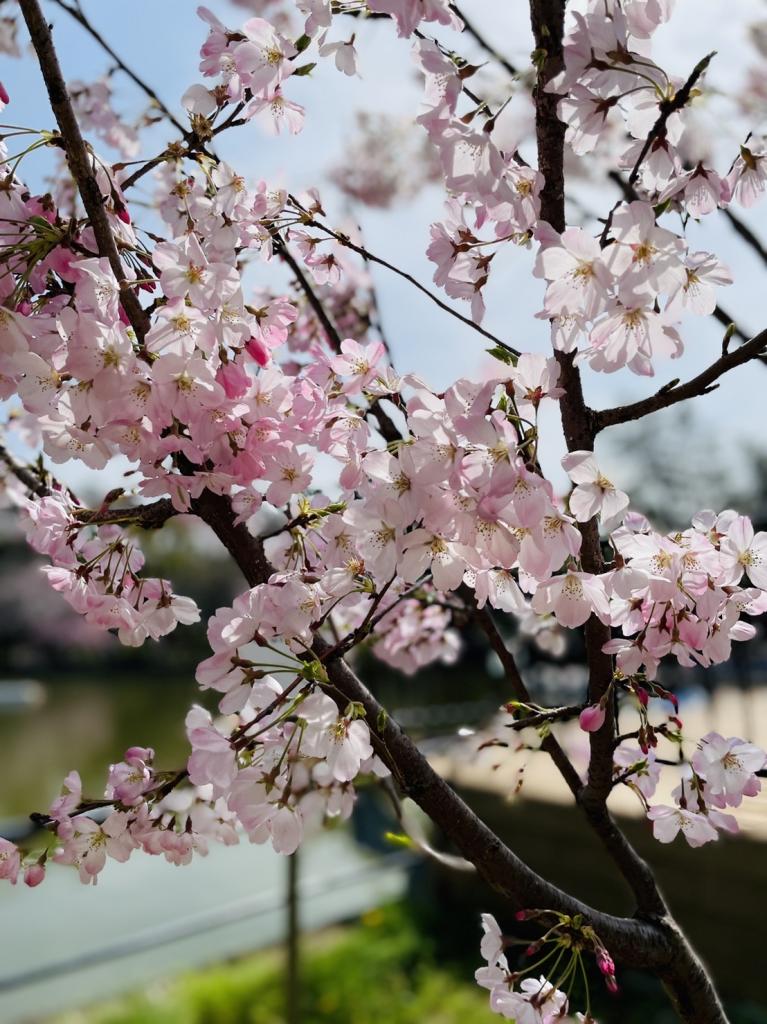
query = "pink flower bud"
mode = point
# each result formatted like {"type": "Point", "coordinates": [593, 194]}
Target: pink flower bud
{"type": "Point", "coordinates": [3, 94]}
{"type": "Point", "coordinates": [133, 754]}
{"type": "Point", "coordinates": [592, 718]}
{"type": "Point", "coordinates": [34, 875]}
{"type": "Point", "coordinates": [258, 350]}
{"type": "Point", "coordinates": [233, 379]}
{"type": "Point", "coordinates": [605, 962]}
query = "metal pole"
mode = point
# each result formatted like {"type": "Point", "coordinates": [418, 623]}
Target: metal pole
{"type": "Point", "coordinates": [292, 967]}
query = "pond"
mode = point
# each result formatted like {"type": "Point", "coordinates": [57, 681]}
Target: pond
{"type": "Point", "coordinates": [86, 724]}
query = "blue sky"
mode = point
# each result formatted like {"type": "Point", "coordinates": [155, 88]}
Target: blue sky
{"type": "Point", "coordinates": [162, 39]}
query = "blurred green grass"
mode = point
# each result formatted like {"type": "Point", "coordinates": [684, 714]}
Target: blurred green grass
{"type": "Point", "coordinates": [381, 970]}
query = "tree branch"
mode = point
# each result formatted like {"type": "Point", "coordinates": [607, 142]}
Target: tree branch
{"type": "Point", "coordinates": [372, 258]}
{"type": "Point", "coordinates": [746, 234]}
{"type": "Point", "coordinates": [78, 159]}
{"type": "Point", "coordinates": [489, 49]}
{"type": "Point", "coordinates": [80, 17]}
{"type": "Point", "coordinates": [330, 329]}
{"type": "Point", "coordinates": [651, 944]}
{"type": "Point", "coordinates": [634, 942]}
{"type": "Point", "coordinates": [148, 517]}
{"type": "Point", "coordinates": [550, 743]}
{"type": "Point", "coordinates": [674, 392]}
{"type": "Point", "coordinates": [386, 427]}
{"type": "Point", "coordinates": [24, 474]}
{"type": "Point", "coordinates": [667, 108]}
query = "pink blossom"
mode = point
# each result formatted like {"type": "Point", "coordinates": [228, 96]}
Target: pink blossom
{"type": "Point", "coordinates": [572, 598]}
{"type": "Point", "coordinates": [593, 494]}
{"type": "Point", "coordinates": [10, 861]}
{"type": "Point", "coordinates": [669, 821]}
{"type": "Point", "coordinates": [592, 718]}
{"type": "Point", "coordinates": [729, 767]}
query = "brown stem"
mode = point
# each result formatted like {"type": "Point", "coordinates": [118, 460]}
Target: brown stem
{"type": "Point", "coordinates": [550, 744]}
{"type": "Point", "coordinates": [148, 517]}
{"type": "Point", "coordinates": [746, 234]}
{"type": "Point", "coordinates": [667, 107]}
{"type": "Point", "coordinates": [330, 329]}
{"type": "Point", "coordinates": [386, 427]}
{"type": "Point", "coordinates": [24, 474]}
{"type": "Point", "coordinates": [78, 159]}
{"type": "Point", "coordinates": [486, 45]}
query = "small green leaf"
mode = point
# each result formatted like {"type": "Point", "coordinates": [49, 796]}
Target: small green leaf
{"type": "Point", "coordinates": [502, 354]}
{"type": "Point", "coordinates": [398, 839]}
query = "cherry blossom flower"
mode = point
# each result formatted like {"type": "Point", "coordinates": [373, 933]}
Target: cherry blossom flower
{"type": "Point", "coordinates": [593, 494]}
{"type": "Point", "coordinates": [668, 822]}
{"type": "Point", "coordinates": [572, 598]}
{"type": "Point", "coordinates": [409, 13]}
{"type": "Point", "coordinates": [729, 767]}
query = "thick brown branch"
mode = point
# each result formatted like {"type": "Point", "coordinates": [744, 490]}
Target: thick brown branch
{"type": "Point", "coordinates": [148, 517]}
{"type": "Point", "coordinates": [78, 158]}
{"type": "Point", "coordinates": [577, 419]}
{"type": "Point", "coordinates": [671, 394]}
{"type": "Point", "coordinates": [685, 978]}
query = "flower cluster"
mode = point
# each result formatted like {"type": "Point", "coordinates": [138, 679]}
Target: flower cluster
{"type": "Point", "coordinates": [97, 571]}
{"type": "Point", "coordinates": [536, 1000]}
{"type": "Point", "coordinates": [682, 595]}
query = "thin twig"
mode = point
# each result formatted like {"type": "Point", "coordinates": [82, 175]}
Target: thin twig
{"type": "Point", "coordinates": [331, 331]}
{"type": "Point", "coordinates": [746, 234]}
{"type": "Point", "coordinates": [344, 240]}
{"type": "Point", "coordinates": [489, 49]}
{"type": "Point", "coordinates": [80, 17]}
{"type": "Point", "coordinates": [24, 474]}
{"type": "Point", "coordinates": [550, 744]}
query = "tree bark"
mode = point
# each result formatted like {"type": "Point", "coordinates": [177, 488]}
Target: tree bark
{"type": "Point", "coordinates": [686, 979]}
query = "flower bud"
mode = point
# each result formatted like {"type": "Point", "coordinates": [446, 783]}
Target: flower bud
{"type": "Point", "coordinates": [592, 718]}
{"type": "Point", "coordinates": [34, 875]}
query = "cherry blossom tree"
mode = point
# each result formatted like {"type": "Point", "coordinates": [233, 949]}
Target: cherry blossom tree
{"type": "Point", "coordinates": [149, 336]}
